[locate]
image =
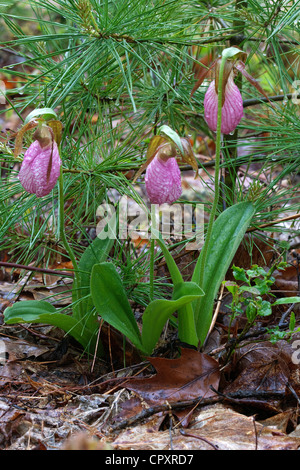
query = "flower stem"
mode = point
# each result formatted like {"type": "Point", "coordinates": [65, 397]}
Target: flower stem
{"type": "Point", "coordinates": [217, 174]}
{"type": "Point", "coordinates": [152, 245]}
{"type": "Point", "coordinates": [63, 238]}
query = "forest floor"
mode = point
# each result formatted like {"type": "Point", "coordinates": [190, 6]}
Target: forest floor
{"type": "Point", "coordinates": [54, 397]}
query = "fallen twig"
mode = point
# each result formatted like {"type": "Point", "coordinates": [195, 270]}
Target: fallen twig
{"type": "Point", "coordinates": [199, 401]}
{"type": "Point", "coordinates": [152, 410]}
{"type": "Point", "coordinates": [36, 269]}
{"type": "Point", "coordinates": [198, 437]}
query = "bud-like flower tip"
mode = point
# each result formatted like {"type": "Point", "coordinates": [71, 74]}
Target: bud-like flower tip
{"type": "Point", "coordinates": [40, 168]}
{"type": "Point", "coordinates": [163, 181]}
{"type": "Point", "coordinates": [232, 110]}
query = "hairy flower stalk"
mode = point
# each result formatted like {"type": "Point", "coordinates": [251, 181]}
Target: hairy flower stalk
{"type": "Point", "coordinates": [40, 168]}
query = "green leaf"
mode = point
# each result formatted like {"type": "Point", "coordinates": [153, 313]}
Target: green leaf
{"type": "Point", "coordinates": [250, 289]}
{"type": "Point", "coordinates": [264, 309]}
{"type": "Point", "coordinates": [97, 252]}
{"type": "Point", "coordinates": [256, 271]}
{"type": "Point", "coordinates": [166, 130]}
{"type": "Point", "coordinates": [227, 234]}
{"type": "Point", "coordinates": [111, 301]}
{"type": "Point", "coordinates": [287, 300]}
{"type": "Point", "coordinates": [46, 113]}
{"type": "Point", "coordinates": [292, 323]}
{"type": "Point", "coordinates": [186, 322]}
{"type": "Point", "coordinates": [239, 274]}
{"type": "Point", "coordinates": [231, 52]}
{"type": "Point", "coordinates": [159, 311]}
{"type": "Point", "coordinates": [172, 266]}
{"type": "Point", "coordinates": [39, 311]}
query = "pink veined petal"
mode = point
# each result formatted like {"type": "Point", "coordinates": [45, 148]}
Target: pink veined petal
{"type": "Point", "coordinates": [34, 175]}
{"type": "Point", "coordinates": [163, 181]}
{"type": "Point", "coordinates": [232, 110]}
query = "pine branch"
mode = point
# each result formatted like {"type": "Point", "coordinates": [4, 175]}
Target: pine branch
{"type": "Point", "coordinates": [255, 101]}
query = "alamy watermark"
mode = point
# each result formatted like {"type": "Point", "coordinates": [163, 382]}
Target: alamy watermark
{"type": "Point", "coordinates": [296, 353]}
{"type": "Point", "coordinates": [296, 92]}
{"type": "Point", "coordinates": [3, 355]}
{"type": "Point", "coordinates": [177, 222]}
{"type": "Point", "coordinates": [2, 92]}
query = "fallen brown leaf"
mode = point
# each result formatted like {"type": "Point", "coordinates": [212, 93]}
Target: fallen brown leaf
{"type": "Point", "coordinates": [219, 425]}
{"type": "Point", "coordinates": [287, 281]}
{"type": "Point", "coordinates": [187, 377]}
{"type": "Point", "coordinates": [262, 372]}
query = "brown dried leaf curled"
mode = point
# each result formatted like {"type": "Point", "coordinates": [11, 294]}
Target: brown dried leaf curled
{"type": "Point", "coordinates": [56, 127]}
{"type": "Point", "coordinates": [188, 377]}
{"type": "Point", "coordinates": [188, 156]}
{"type": "Point", "coordinates": [19, 138]}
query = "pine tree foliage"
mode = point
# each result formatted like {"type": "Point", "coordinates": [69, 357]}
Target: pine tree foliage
{"type": "Point", "coordinates": [115, 70]}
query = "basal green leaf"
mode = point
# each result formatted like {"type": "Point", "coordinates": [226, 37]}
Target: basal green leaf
{"type": "Point", "coordinates": [159, 311]}
{"type": "Point", "coordinates": [172, 266]}
{"type": "Point", "coordinates": [97, 252]}
{"type": "Point", "coordinates": [183, 289]}
{"type": "Point", "coordinates": [111, 301]}
{"type": "Point", "coordinates": [35, 311]}
{"type": "Point", "coordinates": [186, 322]}
{"type": "Point", "coordinates": [228, 232]}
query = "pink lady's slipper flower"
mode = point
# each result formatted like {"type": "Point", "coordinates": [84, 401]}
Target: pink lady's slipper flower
{"type": "Point", "coordinates": [41, 164]}
{"type": "Point", "coordinates": [232, 109]}
{"type": "Point", "coordinates": [163, 178]}
{"type": "Point", "coordinates": [232, 102]}
{"type": "Point", "coordinates": [40, 168]}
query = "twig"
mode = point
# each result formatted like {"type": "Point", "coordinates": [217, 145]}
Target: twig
{"type": "Point", "coordinates": [146, 413]}
{"type": "Point", "coordinates": [36, 269]}
{"type": "Point", "coordinates": [199, 401]}
{"type": "Point", "coordinates": [293, 392]}
{"type": "Point", "coordinates": [216, 313]}
{"type": "Point", "coordinates": [276, 12]}
{"type": "Point", "coordinates": [255, 432]}
{"type": "Point", "coordinates": [97, 345]}
{"type": "Point", "coordinates": [255, 101]}
{"type": "Point", "coordinates": [274, 222]}
{"type": "Point", "coordinates": [198, 437]}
